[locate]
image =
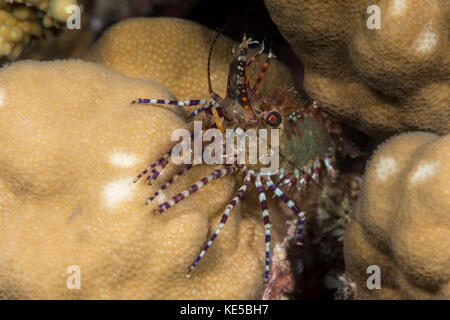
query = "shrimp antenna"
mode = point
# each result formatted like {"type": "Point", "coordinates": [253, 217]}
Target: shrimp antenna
{"type": "Point", "coordinates": [209, 62]}
{"type": "Point", "coordinates": [210, 53]}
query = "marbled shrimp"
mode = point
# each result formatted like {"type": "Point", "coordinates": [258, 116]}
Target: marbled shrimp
{"type": "Point", "coordinates": [305, 143]}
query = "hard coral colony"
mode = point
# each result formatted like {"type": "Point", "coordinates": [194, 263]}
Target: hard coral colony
{"type": "Point", "coordinates": [71, 195]}
{"type": "Point", "coordinates": [401, 221]}
{"type": "Point", "coordinates": [68, 197]}
{"type": "Point", "coordinates": [384, 81]}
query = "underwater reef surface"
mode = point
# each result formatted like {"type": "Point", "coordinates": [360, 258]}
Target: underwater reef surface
{"type": "Point", "coordinates": [401, 222]}
{"type": "Point", "coordinates": [382, 66]}
{"type": "Point", "coordinates": [59, 176]}
{"type": "Point", "coordinates": [68, 197]}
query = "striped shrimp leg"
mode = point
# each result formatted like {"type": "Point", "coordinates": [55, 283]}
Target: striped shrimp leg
{"type": "Point", "coordinates": [316, 170]}
{"type": "Point", "coordinates": [157, 167]}
{"type": "Point", "coordinates": [216, 174]}
{"type": "Point", "coordinates": [291, 205]}
{"type": "Point", "coordinates": [331, 165]}
{"type": "Point", "coordinates": [291, 177]}
{"type": "Point", "coordinates": [186, 103]}
{"type": "Point", "coordinates": [168, 183]}
{"type": "Point", "coordinates": [255, 56]}
{"type": "Point", "coordinates": [203, 109]}
{"type": "Point", "coordinates": [263, 71]}
{"type": "Point", "coordinates": [266, 218]}
{"type": "Point", "coordinates": [304, 177]}
{"type": "Point", "coordinates": [212, 109]}
{"type": "Point", "coordinates": [224, 219]}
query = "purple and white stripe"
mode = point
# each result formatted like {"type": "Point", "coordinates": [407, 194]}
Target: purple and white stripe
{"type": "Point", "coordinates": [158, 169]}
{"type": "Point", "coordinates": [301, 215]}
{"type": "Point", "coordinates": [172, 180]}
{"type": "Point", "coordinates": [153, 165]}
{"type": "Point", "coordinates": [267, 225]}
{"type": "Point", "coordinates": [195, 187]}
{"type": "Point", "coordinates": [186, 103]}
{"type": "Point", "coordinates": [202, 109]}
{"type": "Point", "coordinates": [224, 219]}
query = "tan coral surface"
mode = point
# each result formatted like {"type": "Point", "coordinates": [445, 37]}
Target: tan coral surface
{"type": "Point", "coordinates": [402, 223]}
{"type": "Point", "coordinates": [70, 146]}
{"type": "Point", "coordinates": [383, 81]}
{"type": "Point", "coordinates": [175, 53]}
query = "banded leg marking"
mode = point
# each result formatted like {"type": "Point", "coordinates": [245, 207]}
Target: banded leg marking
{"type": "Point", "coordinates": [301, 215]}
{"type": "Point", "coordinates": [224, 219]}
{"type": "Point", "coordinates": [263, 71]}
{"type": "Point", "coordinates": [157, 170]}
{"type": "Point", "coordinates": [266, 218]}
{"type": "Point", "coordinates": [202, 109]}
{"type": "Point", "coordinates": [195, 187]}
{"type": "Point", "coordinates": [153, 165]}
{"type": "Point", "coordinates": [255, 56]}
{"type": "Point", "coordinates": [172, 180]}
{"type": "Point", "coordinates": [186, 103]}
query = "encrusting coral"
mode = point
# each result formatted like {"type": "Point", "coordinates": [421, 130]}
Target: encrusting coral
{"type": "Point", "coordinates": [21, 20]}
{"type": "Point", "coordinates": [70, 146]}
{"type": "Point", "coordinates": [401, 223]}
{"type": "Point", "coordinates": [384, 80]}
{"type": "Point", "coordinates": [175, 53]}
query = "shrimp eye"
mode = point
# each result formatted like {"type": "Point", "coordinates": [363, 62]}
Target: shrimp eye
{"type": "Point", "coordinates": [273, 119]}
